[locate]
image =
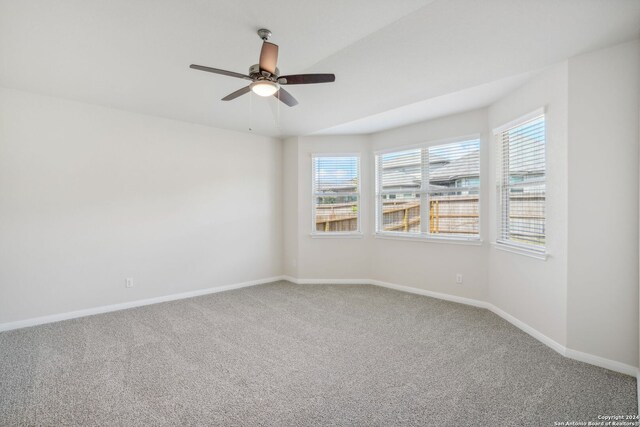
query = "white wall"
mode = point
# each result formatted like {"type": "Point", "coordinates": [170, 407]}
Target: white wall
{"type": "Point", "coordinates": [331, 258]}
{"type": "Point", "coordinates": [290, 214]}
{"type": "Point", "coordinates": [431, 265]}
{"type": "Point", "coordinates": [603, 203]}
{"type": "Point", "coordinates": [426, 265]}
{"type": "Point", "coordinates": [534, 290]}
{"type": "Point", "coordinates": [91, 195]}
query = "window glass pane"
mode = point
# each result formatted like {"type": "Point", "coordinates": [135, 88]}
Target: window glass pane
{"type": "Point", "coordinates": [526, 151]}
{"type": "Point", "coordinates": [336, 213]}
{"type": "Point", "coordinates": [401, 212]}
{"type": "Point", "coordinates": [526, 215]}
{"type": "Point", "coordinates": [454, 172]}
{"type": "Point", "coordinates": [336, 175]}
{"type": "Point", "coordinates": [450, 201]}
{"type": "Point", "coordinates": [401, 170]}
{"type": "Point", "coordinates": [454, 213]}
{"type": "Point", "coordinates": [523, 183]}
{"type": "Point", "coordinates": [335, 192]}
{"type": "Point", "coordinates": [454, 165]}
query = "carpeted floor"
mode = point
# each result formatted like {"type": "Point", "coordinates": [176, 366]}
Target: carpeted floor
{"type": "Point", "coordinates": [295, 355]}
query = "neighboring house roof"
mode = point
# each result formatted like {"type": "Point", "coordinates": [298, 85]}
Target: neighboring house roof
{"type": "Point", "coordinates": [406, 172]}
{"type": "Point", "coordinates": [344, 187]}
{"type": "Point", "coordinates": [532, 168]}
{"type": "Point", "coordinates": [338, 189]}
{"type": "Point", "coordinates": [466, 166]}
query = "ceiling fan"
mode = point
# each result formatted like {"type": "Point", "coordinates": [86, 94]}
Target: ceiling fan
{"type": "Point", "coordinates": [265, 76]}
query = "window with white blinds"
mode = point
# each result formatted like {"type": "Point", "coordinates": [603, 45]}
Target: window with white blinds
{"type": "Point", "coordinates": [336, 194]}
{"type": "Point", "coordinates": [430, 191]}
{"type": "Point", "coordinates": [521, 186]}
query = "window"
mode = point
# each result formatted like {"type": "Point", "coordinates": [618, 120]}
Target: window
{"type": "Point", "coordinates": [430, 191]}
{"type": "Point", "coordinates": [521, 183]}
{"type": "Point", "coordinates": [336, 194]}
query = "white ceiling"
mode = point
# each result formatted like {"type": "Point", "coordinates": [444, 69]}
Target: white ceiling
{"type": "Point", "coordinates": [395, 62]}
{"type": "Point", "coordinates": [431, 108]}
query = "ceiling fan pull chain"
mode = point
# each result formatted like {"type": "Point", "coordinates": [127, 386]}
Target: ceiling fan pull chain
{"type": "Point", "coordinates": [250, 111]}
{"type": "Point", "coordinates": [278, 113]}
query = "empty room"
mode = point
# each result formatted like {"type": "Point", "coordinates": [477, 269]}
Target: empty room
{"type": "Point", "coordinates": [337, 213]}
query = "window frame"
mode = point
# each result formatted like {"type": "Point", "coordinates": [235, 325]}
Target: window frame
{"type": "Point", "coordinates": [424, 193]}
{"type": "Point", "coordinates": [336, 234]}
{"type": "Point", "coordinates": [502, 243]}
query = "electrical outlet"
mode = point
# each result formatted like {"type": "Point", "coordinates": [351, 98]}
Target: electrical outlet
{"type": "Point", "coordinates": [459, 279]}
{"type": "Point", "coordinates": [128, 282]}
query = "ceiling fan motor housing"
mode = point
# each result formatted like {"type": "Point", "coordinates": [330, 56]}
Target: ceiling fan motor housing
{"type": "Point", "coordinates": [264, 34]}
{"type": "Point", "coordinates": [254, 71]}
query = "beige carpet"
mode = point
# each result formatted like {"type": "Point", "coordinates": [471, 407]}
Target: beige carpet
{"type": "Point", "coordinates": [288, 355]}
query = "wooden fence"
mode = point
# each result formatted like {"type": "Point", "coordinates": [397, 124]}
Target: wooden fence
{"type": "Point", "coordinates": [447, 215]}
{"type": "Point", "coordinates": [450, 214]}
{"type": "Point", "coordinates": [337, 217]}
{"type": "Point", "coordinates": [527, 218]}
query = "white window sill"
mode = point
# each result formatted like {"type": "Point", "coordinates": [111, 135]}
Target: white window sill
{"type": "Point", "coordinates": [429, 239]}
{"type": "Point", "coordinates": [532, 253]}
{"type": "Point", "coordinates": [329, 235]}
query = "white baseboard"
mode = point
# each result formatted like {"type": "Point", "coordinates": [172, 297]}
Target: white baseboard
{"type": "Point", "coordinates": [438, 295]}
{"type": "Point", "coordinates": [290, 279]}
{"type": "Point", "coordinates": [573, 354]}
{"type": "Point", "coordinates": [564, 351]}
{"type": "Point", "coordinates": [528, 329]}
{"type": "Point", "coordinates": [448, 297]}
{"type": "Point", "coordinates": [580, 356]}
{"type": "Point", "coordinates": [131, 304]}
{"type": "Point", "coordinates": [612, 365]}
{"type": "Point", "coordinates": [331, 281]}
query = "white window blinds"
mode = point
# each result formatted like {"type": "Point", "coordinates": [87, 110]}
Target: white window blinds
{"type": "Point", "coordinates": [336, 194]}
{"type": "Point", "coordinates": [400, 191]}
{"type": "Point", "coordinates": [430, 191]}
{"type": "Point", "coordinates": [454, 189]}
{"type": "Point", "coordinates": [522, 170]}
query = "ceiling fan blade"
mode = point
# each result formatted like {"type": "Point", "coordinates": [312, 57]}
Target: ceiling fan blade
{"type": "Point", "coordinates": [237, 93]}
{"type": "Point", "coordinates": [269, 57]}
{"type": "Point", "coordinates": [304, 79]}
{"type": "Point", "coordinates": [218, 71]}
{"type": "Point", "coordinates": [285, 97]}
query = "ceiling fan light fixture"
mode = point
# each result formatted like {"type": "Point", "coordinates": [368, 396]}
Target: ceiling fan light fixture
{"type": "Point", "coordinates": [264, 87]}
